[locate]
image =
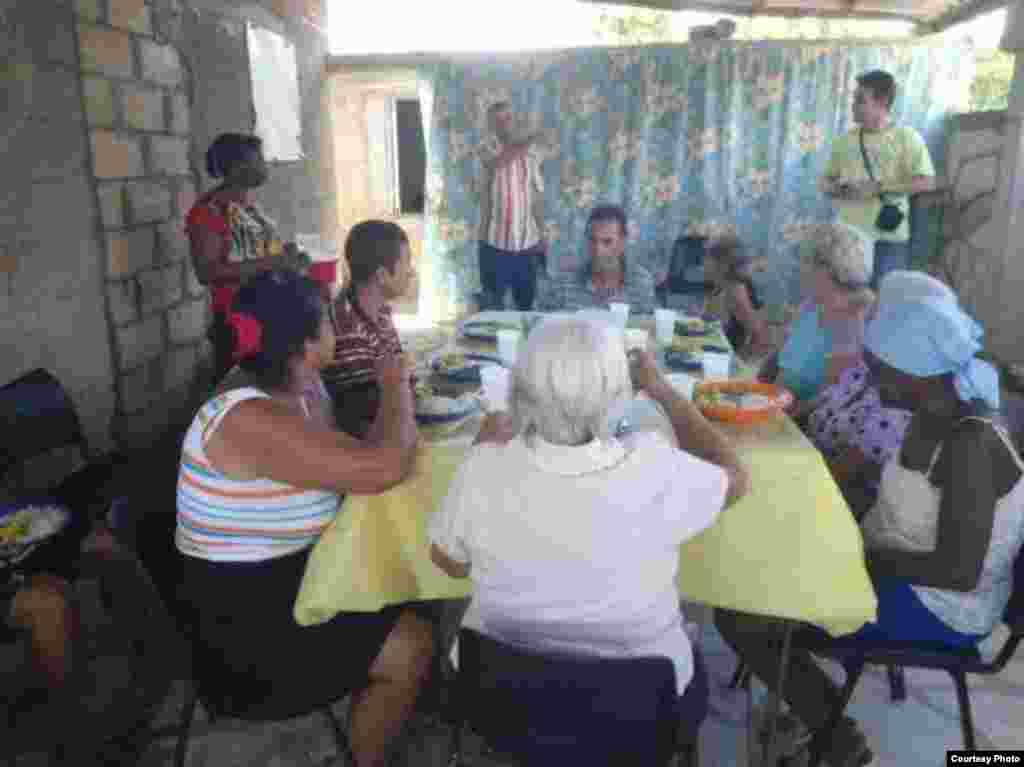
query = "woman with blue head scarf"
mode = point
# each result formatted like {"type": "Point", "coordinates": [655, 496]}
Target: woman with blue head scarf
{"type": "Point", "coordinates": [851, 427]}
{"type": "Point", "coordinates": [942, 539]}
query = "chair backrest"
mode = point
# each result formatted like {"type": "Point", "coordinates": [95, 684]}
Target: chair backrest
{"type": "Point", "coordinates": [686, 267]}
{"type": "Point", "coordinates": [1013, 615]}
{"type": "Point", "coordinates": [36, 416]}
{"type": "Point", "coordinates": [1013, 413]}
{"type": "Point", "coordinates": [556, 709]}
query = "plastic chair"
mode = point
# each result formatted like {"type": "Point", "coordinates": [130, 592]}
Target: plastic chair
{"type": "Point", "coordinates": [685, 271]}
{"type": "Point", "coordinates": [958, 663]}
{"type": "Point", "coordinates": [37, 416]}
{"type": "Point", "coordinates": [557, 709]}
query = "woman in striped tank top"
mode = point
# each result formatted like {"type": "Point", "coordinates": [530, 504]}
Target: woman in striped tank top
{"type": "Point", "coordinates": [263, 471]}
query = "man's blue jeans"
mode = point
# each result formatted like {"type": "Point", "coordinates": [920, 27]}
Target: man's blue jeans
{"type": "Point", "coordinates": [889, 256]}
{"type": "Point", "coordinates": [503, 270]}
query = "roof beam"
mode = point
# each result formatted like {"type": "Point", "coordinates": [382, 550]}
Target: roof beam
{"type": "Point", "coordinates": [748, 9]}
{"type": "Point", "coordinates": [850, 10]}
{"type": "Point", "coordinates": [963, 13]}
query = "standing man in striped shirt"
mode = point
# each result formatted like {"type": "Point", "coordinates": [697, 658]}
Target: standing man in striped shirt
{"type": "Point", "coordinates": [512, 244]}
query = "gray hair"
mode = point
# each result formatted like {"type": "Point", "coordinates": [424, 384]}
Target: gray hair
{"type": "Point", "coordinates": [847, 255]}
{"type": "Point", "coordinates": [569, 376]}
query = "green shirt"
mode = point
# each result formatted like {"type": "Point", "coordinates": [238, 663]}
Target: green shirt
{"type": "Point", "coordinates": [898, 154]}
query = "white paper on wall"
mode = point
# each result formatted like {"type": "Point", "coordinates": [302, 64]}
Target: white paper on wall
{"type": "Point", "coordinates": [275, 91]}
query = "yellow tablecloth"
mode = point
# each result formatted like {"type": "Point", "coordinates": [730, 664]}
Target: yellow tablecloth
{"type": "Point", "coordinates": [790, 549]}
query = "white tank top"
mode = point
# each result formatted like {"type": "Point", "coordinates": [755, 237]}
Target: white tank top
{"type": "Point", "coordinates": [905, 517]}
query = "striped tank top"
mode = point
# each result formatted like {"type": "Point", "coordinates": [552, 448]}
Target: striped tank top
{"type": "Point", "coordinates": [249, 520]}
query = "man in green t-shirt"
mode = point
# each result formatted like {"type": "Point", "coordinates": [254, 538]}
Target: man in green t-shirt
{"type": "Point", "coordinates": [900, 167]}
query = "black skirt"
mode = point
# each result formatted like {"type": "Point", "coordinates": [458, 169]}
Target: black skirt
{"type": "Point", "coordinates": [251, 654]}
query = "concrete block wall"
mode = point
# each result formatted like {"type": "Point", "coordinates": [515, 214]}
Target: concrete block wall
{"type": "Point", "coordinates": [985, 167]}
{"type": "Point", "coordinates": [138, 110]}
{"type": "Point", "coordinates": [52, 262]}
{"type": "Point", "coordinates": [214, 43]}
{"type": "Point", "coordinates": [107, 108]}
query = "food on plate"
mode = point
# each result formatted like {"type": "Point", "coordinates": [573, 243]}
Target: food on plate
{"type": "Point", "coordinates": [746, 400]}
{"type": "Point", "coordinates": [740, 401]}
{"type": "Point", "coordinates": [31, 523]}
{"type": "Point", "coordinates": [16, 527]}
{"type": "Point", "coordinates": [490, 327]}
{"type": "Point", "coordinates": [423, 390]}
{"type": "Point", "coordinates": [715, 398]}
{"type": "Point", "coordinates": [451, 361]}
{"type": "Point", "coordinates": [690, 326]}
{"type": "Point", "coordinates": [422, 341]}
{"type": "Point", "coordinates": [689, 345]}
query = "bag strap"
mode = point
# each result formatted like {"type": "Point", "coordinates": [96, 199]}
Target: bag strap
{"type": "Point", "coordinates": [867, 164]}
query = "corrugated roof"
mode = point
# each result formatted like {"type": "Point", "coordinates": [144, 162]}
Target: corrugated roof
{"type": "Point", "coordinates": [932, 15]}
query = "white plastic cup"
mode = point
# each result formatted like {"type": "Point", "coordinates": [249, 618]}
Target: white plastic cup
{"type": "Point", "coordinates": [683, 383]}
{"type": "Point", "coordinates": [635, 339]}
{"type": "Point", "coordinates": [508, 345]}
{"type": "Point", "coordinates": [496, 385]}
{"type": "Point", "coordinates": [664, 326]}
{"type": "Point", "coordinates": [621, 313]}
{"type": "Point", "coordinates": [716, 365]}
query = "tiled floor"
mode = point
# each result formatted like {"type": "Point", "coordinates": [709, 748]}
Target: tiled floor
{"type": "Point", "coordinates": [916, 732]}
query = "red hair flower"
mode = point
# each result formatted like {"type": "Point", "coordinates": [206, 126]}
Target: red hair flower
{"type": "Point", "coordinates": [248, 334]}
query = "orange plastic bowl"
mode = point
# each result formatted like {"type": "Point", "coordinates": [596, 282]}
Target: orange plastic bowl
{"type": "Point", "coordinates": [780, 400]}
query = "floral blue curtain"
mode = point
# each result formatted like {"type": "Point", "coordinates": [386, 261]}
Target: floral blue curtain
{"type": "Point", "coordinates": [702, 138]}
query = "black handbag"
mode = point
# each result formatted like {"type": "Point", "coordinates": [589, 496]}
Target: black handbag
{"type": "Point", "coordinates": [890, 216]}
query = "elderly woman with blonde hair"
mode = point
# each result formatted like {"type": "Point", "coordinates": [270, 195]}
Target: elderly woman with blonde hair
{"type": "Point", "coordinates": [538, 514]}
{"type": "Point", "coordinates": [827, 337]}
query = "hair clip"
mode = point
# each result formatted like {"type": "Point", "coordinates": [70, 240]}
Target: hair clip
{"type": "Point", "coordinates": [248, 334]}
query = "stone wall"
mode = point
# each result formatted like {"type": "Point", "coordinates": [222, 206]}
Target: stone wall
{"type": "Point", "coordinates": [52, 309]}
{"type": "Point", "coordinates": [985, 167]}
{"type": "Point", "coordinates": [108, 108]}
{"type": "Point", "coordinates": [135, 87]}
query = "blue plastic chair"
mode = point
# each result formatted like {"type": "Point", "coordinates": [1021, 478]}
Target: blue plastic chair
{"type": "Point", "coordinates": [958, 663]}
{"type": "Point", "coordinates": [556, 709]}
{"type": "Point", "coordinates": [36, 416]}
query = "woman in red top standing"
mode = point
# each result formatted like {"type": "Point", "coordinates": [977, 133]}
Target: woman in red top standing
{"type": "Point", "coordinates": [231, 239]}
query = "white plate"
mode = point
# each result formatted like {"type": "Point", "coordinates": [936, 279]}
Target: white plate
{"type": "Point", "coordinates": [433, 410]}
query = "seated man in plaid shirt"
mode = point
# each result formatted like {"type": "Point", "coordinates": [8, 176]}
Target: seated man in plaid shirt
{"type": "Point", "coordinates": [608, 276]}
{"type": "Point", "coordinates": [381, 271]}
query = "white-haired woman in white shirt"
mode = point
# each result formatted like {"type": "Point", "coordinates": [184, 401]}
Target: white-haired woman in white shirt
{"type": "Point", "coordinates": [570, 534]}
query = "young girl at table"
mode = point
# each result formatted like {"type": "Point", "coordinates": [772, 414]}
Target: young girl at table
{"type": "Point", "coordinates": [734, 298]}
{"type": "Point", "coordinates": [262, 475]}
{"type": "Point", "coordinates": [942, 539]}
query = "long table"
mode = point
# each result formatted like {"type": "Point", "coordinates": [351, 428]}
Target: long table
{"type": "Point", "coordinates": [789, 549]}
